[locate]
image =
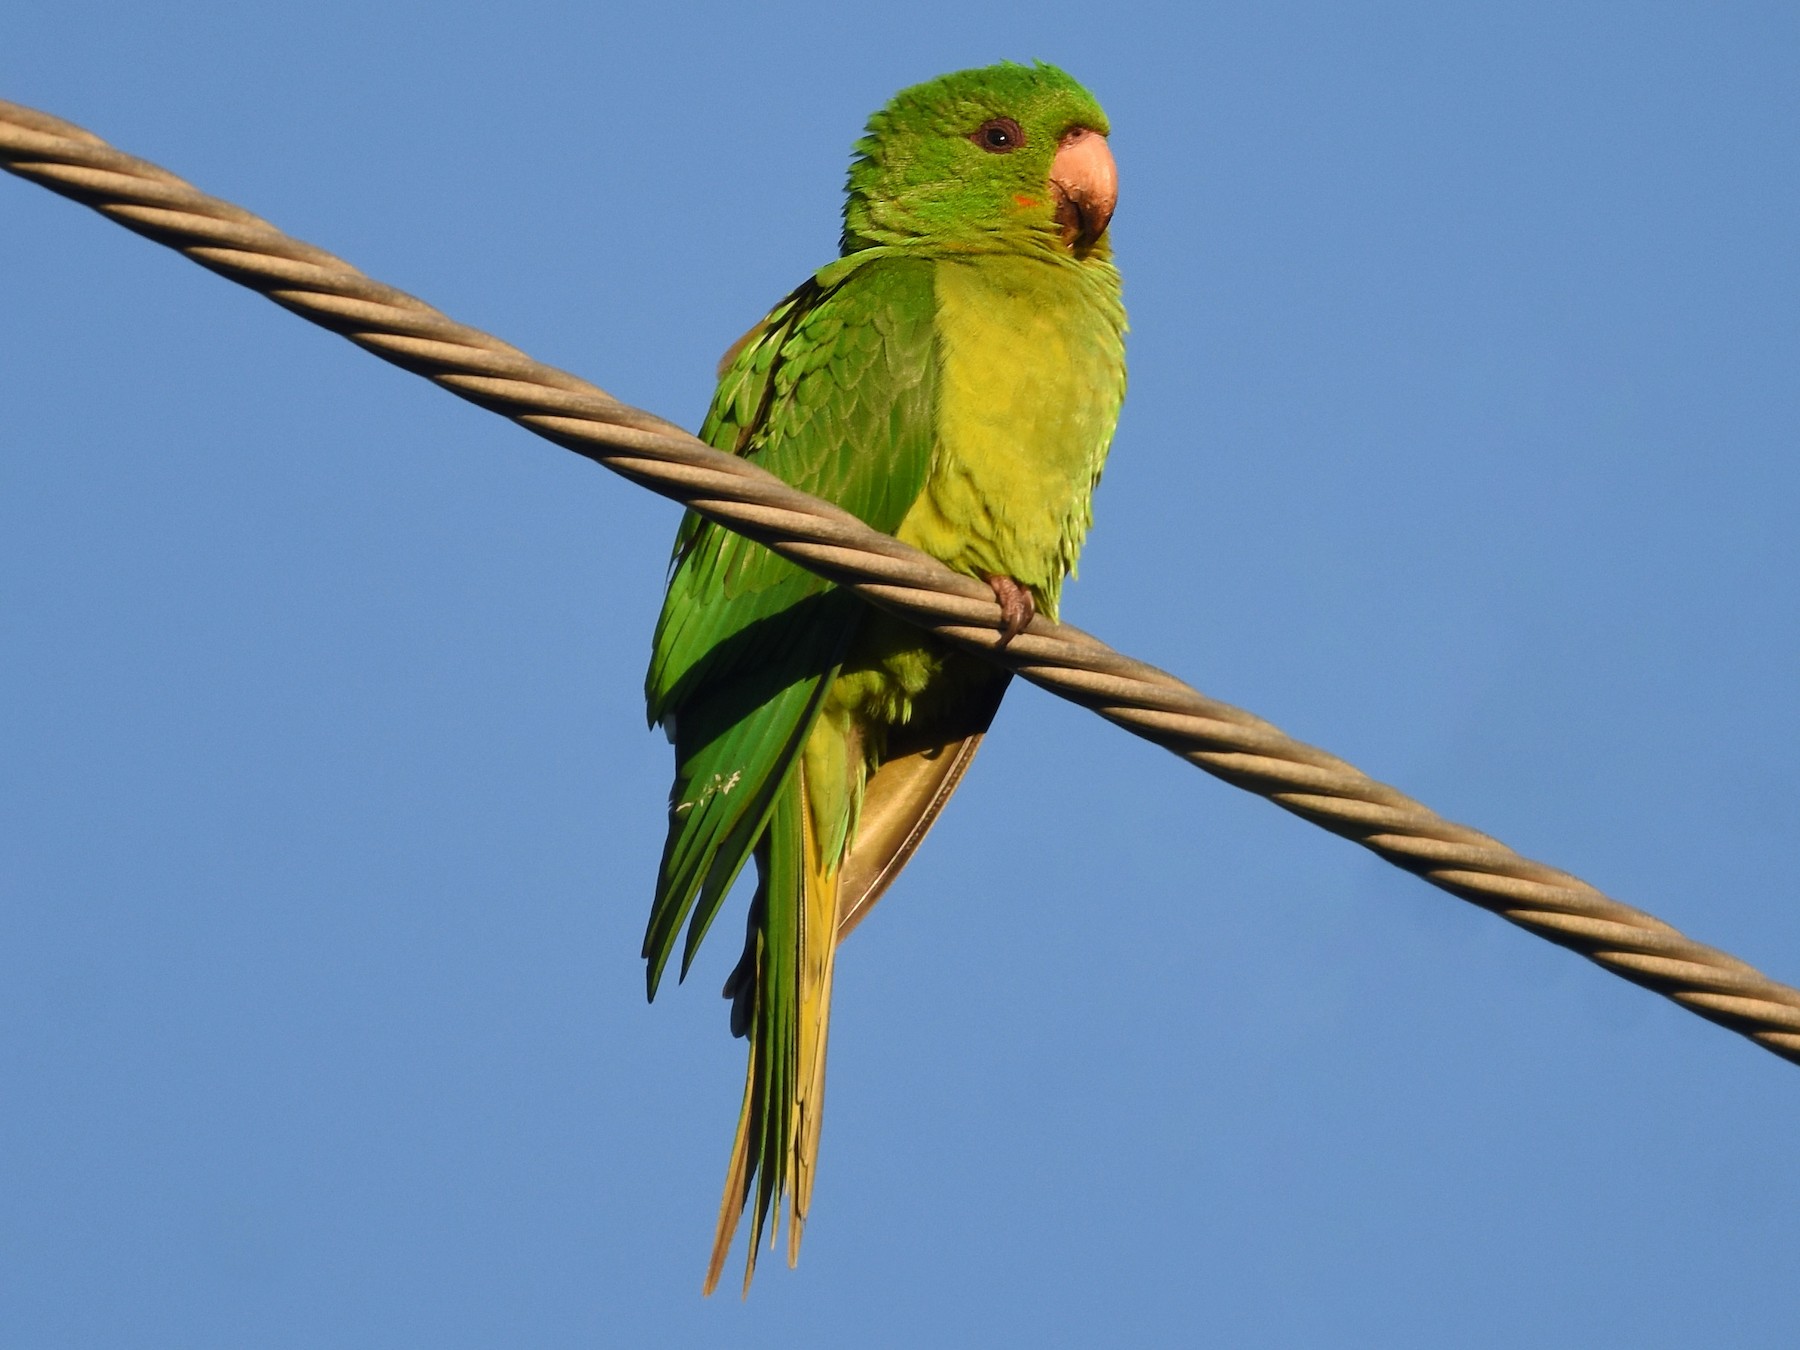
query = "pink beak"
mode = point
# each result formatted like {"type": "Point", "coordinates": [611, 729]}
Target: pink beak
{"type": "Point", "coordinates": [1085, 181]}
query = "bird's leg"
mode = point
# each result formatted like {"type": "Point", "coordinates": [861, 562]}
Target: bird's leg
{"type": "Point", "coordinates": [1017, 608]}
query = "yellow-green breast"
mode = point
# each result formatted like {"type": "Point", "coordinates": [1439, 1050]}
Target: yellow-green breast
{"type": "Point", "coordinates": [1032, 372]}
{"type": "Point", "coordinates": [1031, 375]}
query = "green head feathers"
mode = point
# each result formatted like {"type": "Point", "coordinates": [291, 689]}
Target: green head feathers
{"type": "Point", "coordinates": [965, 161]}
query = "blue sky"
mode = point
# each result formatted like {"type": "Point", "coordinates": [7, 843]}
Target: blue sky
{"type": "Point", "coordinates": [1460, 441]}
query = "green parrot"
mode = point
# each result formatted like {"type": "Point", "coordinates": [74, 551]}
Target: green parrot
{"type": "Point", "coordinates": [952, 378]}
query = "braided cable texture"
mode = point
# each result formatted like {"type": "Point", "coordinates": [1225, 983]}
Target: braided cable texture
{"type": "Point", "coordinates": [1226, 742]}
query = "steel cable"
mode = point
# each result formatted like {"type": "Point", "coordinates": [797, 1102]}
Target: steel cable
{"type": "Point", "coordinates": [1227, 742]}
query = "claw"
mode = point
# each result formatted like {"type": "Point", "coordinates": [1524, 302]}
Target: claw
{"type": "Point", "coordinates": [1017, 608]}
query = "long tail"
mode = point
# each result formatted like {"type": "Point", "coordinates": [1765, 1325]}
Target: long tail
{"type": "Point", "coordinates": [784, 982]}
{"type": "Point", "coordinates": [812, 892]}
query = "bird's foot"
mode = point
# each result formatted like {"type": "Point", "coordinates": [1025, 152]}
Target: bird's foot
{"type": "Point", "coordinates": [1017, 608]}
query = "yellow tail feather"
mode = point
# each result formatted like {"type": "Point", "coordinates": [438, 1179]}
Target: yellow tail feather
{"type": "Point", "coordinates": [737, 1188]}
{"type": "Point", "coordinates": [817, 939]}
{"type": "Point", "coordinates": [818, 958]}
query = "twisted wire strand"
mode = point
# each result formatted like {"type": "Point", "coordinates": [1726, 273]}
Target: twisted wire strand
{"type": "Point", "coordinates": [1226, 742]}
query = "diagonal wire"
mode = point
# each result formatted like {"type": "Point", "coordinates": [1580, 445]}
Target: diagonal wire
{"type": "Point", "coordinates": [1227, 742]}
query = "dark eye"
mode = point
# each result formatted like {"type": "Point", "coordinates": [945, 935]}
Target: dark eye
{"type": "Point", "coordinates": [998, 135]}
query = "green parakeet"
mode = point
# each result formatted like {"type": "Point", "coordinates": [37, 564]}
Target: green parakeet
{"type": "Point", "coordinates": [952, 378]}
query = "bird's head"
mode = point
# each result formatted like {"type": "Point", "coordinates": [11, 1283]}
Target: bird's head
{"type": "Point", "coordinates": [1000, 158]}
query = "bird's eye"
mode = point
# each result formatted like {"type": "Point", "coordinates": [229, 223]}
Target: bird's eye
{"type": "Point", "coordinates": [998, 135]}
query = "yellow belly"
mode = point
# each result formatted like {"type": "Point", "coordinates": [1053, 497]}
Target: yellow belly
{"type": "Point", "coordinates": [1030, 377]}
{"type": "Point", "coordinates": [1031, 373]}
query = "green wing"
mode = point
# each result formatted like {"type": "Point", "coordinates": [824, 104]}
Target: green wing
{"type": "Point", "coordinates": [835, 393]}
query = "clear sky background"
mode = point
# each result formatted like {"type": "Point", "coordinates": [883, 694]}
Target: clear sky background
{"type": "Point", "coordinates": [1461, 441]}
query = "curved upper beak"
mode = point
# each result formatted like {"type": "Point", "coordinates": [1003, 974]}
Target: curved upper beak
{"type": "Point", "coordinates": [1085, 181]}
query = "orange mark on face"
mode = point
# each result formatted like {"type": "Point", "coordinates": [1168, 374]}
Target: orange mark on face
{"type": "Point", "coordinates": [1023, 200]}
